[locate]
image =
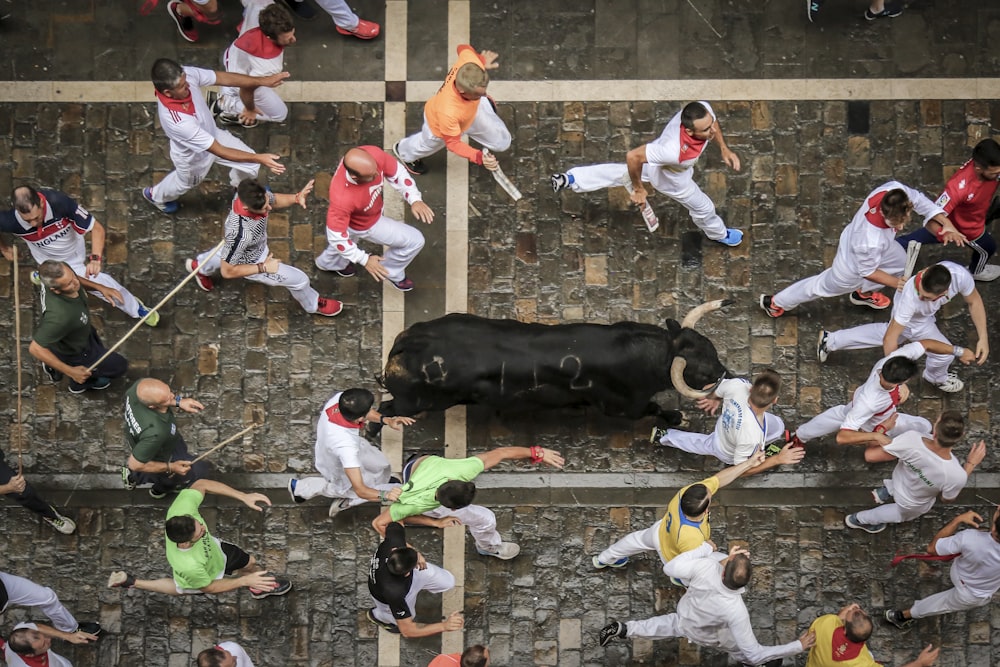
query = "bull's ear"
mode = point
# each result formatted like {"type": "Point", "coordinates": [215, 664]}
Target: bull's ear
{"type": "Point", "coordinates": [673, 326]}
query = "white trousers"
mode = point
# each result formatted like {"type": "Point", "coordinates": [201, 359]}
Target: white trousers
{"type": "Point", "coordinates": [341, 14]}
{"type": "Point", "coordinates": [292, 279]}
{"type": "Point", "coordinates": [269, 105]}
{"type": "Point", "coordinates": [958, 598]}
{"type": "Point", "coordinates": [638, 542]}
{"type": "Point", "coordinates": [871, 335]}
{"type": "Point", "coordinates": [487, 128]}
{"type": "Point", "coordinates": [130, 306]}
{"type": "Point", "coordinates": [892, 513]}
{"type": "Point", "coordinates": [433, 580]}
{"type": "Point", "coordinates": [833, 283]}
{"type": "Point", "coordinates": [831, 420]}
{"type": "Point", "coordinates": [310, 487]}
{"type": "Point", "coordinates": [481, 522]}
{"type": "Point", "coordinates": [668, 626]}
{"type": "Point", "coordinates": [402, 242]}
{"type": "Point", "coordinates": [708, 443]}
{"type": "Point", "coordinates": [24, 593]}
{"type": "Point", "coordinates": [679, 186]}
{"type": "Point", "coordinates": [189, 172]}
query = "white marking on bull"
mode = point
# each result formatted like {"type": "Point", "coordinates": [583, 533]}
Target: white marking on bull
{"type": "Point", "coordinates": [576, 376]}
{"type": "Point", "coordinates": [436, 364]}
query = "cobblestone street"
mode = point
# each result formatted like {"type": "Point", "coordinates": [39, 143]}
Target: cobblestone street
{"type": "Point", "coordinates": [77, 114]}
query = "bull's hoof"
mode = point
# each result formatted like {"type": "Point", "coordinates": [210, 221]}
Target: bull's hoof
{"type": "Point", "coordinates": [674, 418]}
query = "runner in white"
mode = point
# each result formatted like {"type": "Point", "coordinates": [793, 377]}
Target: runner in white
{"type": "Point", "coordinates": [30, 644]}
{"type": "Point", "coordinates": [666, 163]}
{"type": "Point", "coordinates": [914, 318]}
{"type": "Point", "coordinates": [224, 654]}
{"type": "Point", "coordinates": [926, 468]}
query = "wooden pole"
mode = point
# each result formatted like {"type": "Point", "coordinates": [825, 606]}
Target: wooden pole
{"type": "Point", "coordinates": [227, 441]}
{"type": "Point", "coordinates": [17, 346]}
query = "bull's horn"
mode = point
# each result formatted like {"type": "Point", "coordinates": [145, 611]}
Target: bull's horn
{"type": "Point", "coordinates": [677, 377]}
{"type": "Point", "coordinates": [691, 319]}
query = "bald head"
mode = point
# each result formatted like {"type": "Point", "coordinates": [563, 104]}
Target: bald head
{"type": "Point", "coordinates": [154, 393]}
{"type": "Point", "coordinates": [360, 165]}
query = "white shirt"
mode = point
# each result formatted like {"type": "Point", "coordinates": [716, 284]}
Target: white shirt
{"type": "Point", "coordinates": [978, 568]}
{"type": "Point", "coordinates": [14, 660]}
{"type": "Point", "coordinates": [920, 475]}
{"type": "Point", "coordinates": [872, 404]}
{"type": "Point", "coordinates": [190, 135]}
{"type": "Point", "coordinates": [737, 431]}
{"type": "Point", "coordinates": [669, 150]}
{"type": "Point", "coordinates": [710, 614]}
{"type": "Point", "coordinates": [863, 244]}
{"type": "Point", "coordinates": [910, 310]}
{"type": "Point", "coordinates": [339, 448]}
{"type": "Point", "coordinates": [242, 659]}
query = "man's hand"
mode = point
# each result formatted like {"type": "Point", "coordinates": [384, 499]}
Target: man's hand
{"type": "Point", "coordinates": [248, 116]}
{"type": "Point", "coordinates": [953, 236]}
{"type": "Point", "coordinates": [78, 374]}
{"type": "Point", "coordinates": [807, 639]}
{"type": "Point", "coordinates": [968, 356]}
{"type": "Point", "coordinates": [790, 455]}
{"type": "Point", "coordinates": [397, 423]}
{"type": "Point", "coordinates": [552, 458]}
{"type": "Point", "coordinates": [251, 500]}
{"type": "Point", "coordinates": [709, 405]}
{"type": "Point", "coordinates": [421, 561]}
{"type": "Point", "coordinates": [392, 495]}
{"type": "Point", "coordinates": [272, 81]}
{"type": "Point", "coordinates": [300, 198]}
{"type": "Point", "coordinates": [93, 268]}
{"type": "Point", "coordinates": [17, 484]}
{"type": "Point", "coordinates": [490, 59]}
{"type": "Point", "coordinates": [928, 656]}
{"type": "Point", "coordinates": [7, 252]}
{"type": "Point", "coordinates": [890, 423]}
{"type": "Point", "coordinates": [271, 264]}
{"type": "Point", "coordinates": [447, 522]}
{"type": "Point", "coordinates": [79, 637]}
{"type": "Point", "coordinates": [260, 580]}
{"type": "Point", "coordinates": [731, 159]}
{"type": "Point", "coordinates": [490, 161]}
{"type": "Point", "coordinates": [977, 454]}
{"type": "Point", "coordinates": [969, 518]}
{"type": "Point", "coordinates": [982, 351]}
{"type": "Point", "coordinates": [423, 212]}
{"type": "Point", "coordinates": [736, 550]}
{"type": "Point", "coordinates": [455, 621]}
{"type": "Point", "coordinates": [180, 467]}
{"type": "Point", "coordinates": [374, 267]}
{"type": "Point", "coordinates": [113, 296]}
{"type": "Point", "coordinates": [191, 406]}
{"type": "Point", "coordinates": [270, 160]}
{"type": "Point", "coordinates": [638, 196]}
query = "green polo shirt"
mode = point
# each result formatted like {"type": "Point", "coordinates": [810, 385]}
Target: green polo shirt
{"type": "Point", "coordinates": [418, 493]}
{"type": "Point", "coordinates": [203, 562]}
{"type": "Point", "coordinates": [151, 435]}
{"type": "Point", "coordinates": [65, 325]}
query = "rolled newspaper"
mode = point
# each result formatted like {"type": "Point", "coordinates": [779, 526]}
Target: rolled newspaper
{"type": "Point", "coordinates": [504, 182]}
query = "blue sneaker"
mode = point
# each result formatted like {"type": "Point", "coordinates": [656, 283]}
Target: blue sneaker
{"type": "Point", "coordinates": [733, 238]}
{"type": "Point", "coordinates": [621, 562]}
{"type": "Point", "coordinates": [36, 280]}
{"type": "Point", "coordinates": [166, 207]}
{"type": "Point", "coordinates": [851, 520]}
{"type": "Point", "coordinates": [881, 495]}
{"type": "Point", "coordinates": [153, 319]}
{"type": "Point", "coordinates": [291, 491]}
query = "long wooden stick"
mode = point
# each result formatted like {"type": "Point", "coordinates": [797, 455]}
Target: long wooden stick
{"type": "Point", "coordinates": [227, 441]}
{"type": "Point", "coordinates": [17, 346]}
{"type": "Point", "coordinates": [154, 309]}
{"type": "Point", "coordinates": [912, 251]}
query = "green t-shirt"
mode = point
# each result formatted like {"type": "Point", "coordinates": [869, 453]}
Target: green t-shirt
{"type": "Point", "coordinates": [65, 324]}
{"type": "Point", "coordinates": [418, 493]}
{"type": "Point", "coordinates": [204, 561]}
{"type": "Point", "coordinates": [151, 435]}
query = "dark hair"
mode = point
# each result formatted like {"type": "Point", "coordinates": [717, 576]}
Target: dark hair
{"type": "Point", "coordinates": [401, 561]}
{"type": "Point", "coordinates": [765, 388]}
{"type": "Point", "coordinates": [895, 203]}
{"type": "Point", "coordinates": [355, 403]}
{"type": "Point", "coordinates": [691, 112]}
{"type": "Point", "coordinates": [936, 279]}
{"type": "Point", "coordinates": [474, 656]}
{"type": "Point", "coordinates": [858, 628]}
{"type": "Point", "coordinates": [899, 369]}
{"type": "Point", "coordinates": [18, 642]}
{"type": "Point", "coordinates": [180, 529]}
{"type": "Point", "coordinates": [211, 657]}
{"type": "Point", "coordinates": [695, 500]}
{"type": "Point", "coordinates": [737, 572]}
{"type": "Point", "coordinates": [51, 270]}
{"type": "Point", "coordinates": [251, 193]}
{"type": "Point", "coordinates": [456, 494]}
{"type": "Point", "coordinates": [165, 74]}
{"type": "Point", "coordinates": [275, 20]}
{"type": "Point", "coordinates": [986, 153]}
{"type": "Point", "coordinates": [950, 428]}
{"type": "Point", "coordinates": [24, 198]}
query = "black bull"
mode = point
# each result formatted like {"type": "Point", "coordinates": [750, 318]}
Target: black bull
{"type": "Point", "coordinates": [515, 366]}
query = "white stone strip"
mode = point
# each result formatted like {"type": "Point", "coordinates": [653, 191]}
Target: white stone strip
{"type": "Point", "coordinates": [545, 91]}
{"type": "Point", "coordinates": [456, 301]}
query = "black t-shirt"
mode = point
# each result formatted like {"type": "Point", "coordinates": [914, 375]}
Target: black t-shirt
{"type": "Point", "coordinates": [384, 586]}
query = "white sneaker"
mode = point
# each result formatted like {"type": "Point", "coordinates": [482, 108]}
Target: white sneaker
{"type": "Point", "coordinates": [989, 273]}
{"type": "Point", "coordinates": [338, 506]}
{"type": "Point", "coordinates": [951, 384]}
{"type": "Point", "coordinates": [505, 551]}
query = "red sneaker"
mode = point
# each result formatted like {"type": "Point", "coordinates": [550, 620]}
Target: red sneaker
{"type": "Point", "coordinates": [875, 300]}
{"type": "Point", "coordinates": [404, 285]}
{"type": "Point", "coordinates": [365, 30]}
{"type": "Point", "coordinates": [200, 16]}
{"type": "Point", "coordinates": [203, 281]}
{"type": "Point", "coordinates": [768, 306]}
{"type": "Point", "coordinates": [185, 24]}
{"type": "Point", "coordinates": [329, 307]}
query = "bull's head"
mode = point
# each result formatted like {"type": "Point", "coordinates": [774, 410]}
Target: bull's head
{"type": "Point", "coordinates": [692, 347]}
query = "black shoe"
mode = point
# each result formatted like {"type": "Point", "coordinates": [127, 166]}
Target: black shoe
{"type": "Point", "coordinates": [301, 9]}
{"type": "Point", "coordinates": [388, 627]}
{"type": "Point", "coordinates": [890, 12]}
{"type": "Point", "coordinates": [347, 272]}
{"type": "Point", "coordinates": [416, 167]}
{"type": "Point", "coordinates": [51, 373]}
{"type": "Point", "coordinates": [895, 617]}
{"type": "Point", "coordinates": [284, 585]}
{"type": "Point", "coordinates": [157, 493]}
{"type": "Point", "coordinates": [91, 628]}
{"type": "Point", "coordinates": [611, 631]}
{"type": "Point", "coordinates": [812, 8]}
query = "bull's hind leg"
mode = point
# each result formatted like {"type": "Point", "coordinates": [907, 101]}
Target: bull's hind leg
{"type": "Point", "coordinates": [671, 417]}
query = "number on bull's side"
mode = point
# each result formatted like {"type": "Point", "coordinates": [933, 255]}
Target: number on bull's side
{"type": "Point", "coordinates": [574, 382]}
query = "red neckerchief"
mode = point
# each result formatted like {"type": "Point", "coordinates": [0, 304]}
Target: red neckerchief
{"type": "Point", "coordinates": [894, 395]}
{"type": "Point", "coordinates": [259, 45]}
{"type": "Point", "coordinates": [333, 414]}
{"type": "Point", "coordinates": [874, 212]}
{"type": "Point", "coordinates": [944, 559]}
{"type": "Point", "coordinates": [180, 106]}
{"type": "Point", "coordinates": [239, 208]}
{"type": "Point", "coordinates": [691, 147]}
{"type": "Point", "coordinates": [843, 648]}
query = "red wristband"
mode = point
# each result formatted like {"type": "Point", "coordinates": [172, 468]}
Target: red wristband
{"type": "Point", "coordinates": [880, 429]}
{"type": "Point", "coordinates": [537, 454]}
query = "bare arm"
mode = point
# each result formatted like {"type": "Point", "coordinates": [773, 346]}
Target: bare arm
{"type": "Point", "coordinates": [364, 491]}
{"type": "Point", "coordinates": [410, 628]}
{"type": "Point", "coordinates": [501, 454]}
{"type": "Point", "coordinates": [729, 157]}
{"type": "Point", "coordinates": [47, 357]}
{"type": "Point", "coordinates": [890, 342]}
{"type": "Point", "coordinates": [926, 658]}
{"type": "Point", "coordinates": [205, 486]}
{"type": "Point", "coordinates": [978, 314]}
{"type": "Point", "coordinates": [968, 518]}
{"type": "Point", "coordinates": [109, 293]}
{"type": "Point", "coordinates": [243, 81]}
{"type": "Point", "coordinates": [158, 467]}
{"type": "Point", "coordinates": [882, 278]}
{"type": "Point", "coordinates": [727, 475]}
{"type": "Point", "coordinates": [253, 580]}
{"type": "Point", "coordinates": [98, 236]}
{"type": "Point", "coordinates": [789, 455]}
{"type": "Point", "coordinates": [634, 159]}
{"type": "Point", "coordinates": [269, 265]}
{"type": "Point", "coordinates": [846, 436]}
